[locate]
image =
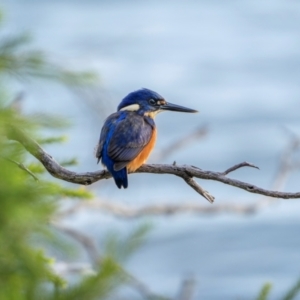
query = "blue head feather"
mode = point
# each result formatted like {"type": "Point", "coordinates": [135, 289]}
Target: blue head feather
{"type": "Point", "coordinates": [139, 97]}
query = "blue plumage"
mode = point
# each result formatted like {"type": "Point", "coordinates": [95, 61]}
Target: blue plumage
{"type": "Point", "coordinates": [127, 136]}
{"type": "Point", "coordinates": [140, 97]}
{"type": "Point", "coordinates": [107, 133]}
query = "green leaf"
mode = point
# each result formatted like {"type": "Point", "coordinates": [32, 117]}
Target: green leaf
{"type": "Point", "coordinates": [265, 291]}
{"type": "Point", "coordinates": [122, 248]}
{"type": "Point", "coordinates": [293, 292]}
{"type": "Point", "coordinates": [52, 140]}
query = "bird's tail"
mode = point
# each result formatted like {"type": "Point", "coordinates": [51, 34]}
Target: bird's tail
{"type": "Point", "coordinates": [120, 178]}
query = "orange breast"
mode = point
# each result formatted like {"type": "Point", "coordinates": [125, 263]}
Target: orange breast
{"type": "Point", "coordinates": [144, 154]}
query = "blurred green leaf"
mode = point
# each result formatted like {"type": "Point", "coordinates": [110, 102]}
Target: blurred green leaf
{"type": "Point", "coordinates": [265, 291]}
{"type": "Point", "coordinates": [49, 121]}
{"type": "Point", "coordinates": [293, 292]}
{"type": "Point", "coordinates": [81, 192]}
{"type": "Point", "coordinates": [69, 162]}
{"type": "Point", "coordinates": [107, 279]}
{"type": "Point", "coordinates": [21, 62]}
{"type": "Point", "coordinates": [36, 168]}
{"type": "Point", "coordinates": [29, 207]}
{"type": "Point", "coordinates": [52, 140]}
{"type": "Point", "coordinates": [120, 248]}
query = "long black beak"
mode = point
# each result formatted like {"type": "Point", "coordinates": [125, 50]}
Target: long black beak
{"type": "Point", "coordinates": [175, 107]}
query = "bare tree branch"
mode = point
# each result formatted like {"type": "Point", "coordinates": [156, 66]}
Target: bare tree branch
{"type": "Point", "coordinates": [185, 172]}
{"type": "Point", "coordinates": [286, 166]}
{"type": "Point", "coordinates": [86, 242]}
{"type": "Point", "coordinates": [192, 183]}
{"type": "Point", "coordinates": [187, 289]}
{"type": "Point", "coordinates": [125, 211]}
{"type": "Point", "coordinates": [193, 136]}
{"type": "Point", "coordinates": [287, 163]}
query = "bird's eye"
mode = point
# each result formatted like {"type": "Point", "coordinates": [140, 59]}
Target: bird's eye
{"type": "Point", "coordinates": [152, 102]}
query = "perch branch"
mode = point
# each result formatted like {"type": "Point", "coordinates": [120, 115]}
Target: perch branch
{"type": "Point", "coordinates": [118, 209]}
{"type": "Point", "coordinates": [183, 171]}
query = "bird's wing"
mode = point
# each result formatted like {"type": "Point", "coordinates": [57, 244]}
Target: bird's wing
{"type": "Point", "coordinates": [131, 134]}
{"type": "Point", "coordinates": [100, 144]}
{"type": "Point", "coordinates": [105, 132]}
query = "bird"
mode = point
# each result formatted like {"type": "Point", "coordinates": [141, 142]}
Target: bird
{"type": "Point", "coordinates": [128, 136]}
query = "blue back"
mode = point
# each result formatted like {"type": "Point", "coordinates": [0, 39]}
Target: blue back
{"type": "Point", "coordinates": [123, 137]}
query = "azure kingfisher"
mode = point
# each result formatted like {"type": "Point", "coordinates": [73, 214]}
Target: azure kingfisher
{"type": "Point", "coordinates": [128, 135]}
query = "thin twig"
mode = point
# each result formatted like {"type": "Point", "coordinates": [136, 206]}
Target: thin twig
{"type": "Point", "coordinates": [21, 166]}
{"type": "Point", "coordinates": [238, 166]}
{"type": "Point", "coordinates": [193, 136]}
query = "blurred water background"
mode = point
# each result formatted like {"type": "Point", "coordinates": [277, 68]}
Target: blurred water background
{"type": "Point", "coordinates": [238, 63]}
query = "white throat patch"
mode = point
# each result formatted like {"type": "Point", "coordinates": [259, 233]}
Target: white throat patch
{"type": "Point", "coordinates": [152, 114]}
{"type": "Point", "coordinates": [132, 107]}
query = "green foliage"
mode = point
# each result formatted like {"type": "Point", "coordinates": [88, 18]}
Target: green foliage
{"type": "Point", "coordinates": [36, 167]}
{"type": "Point", "coordinates": [293, 292]}
{"type": "Point", "coordinates": [18, 60]}
{"type": "Point", "coordinates": [290, 295]}
{"type": "Point", "coordinates": [26, 208]}
{"type": "Point", "coordinates": [121, 248]}
{"type": "Point", "coordinates": [69, 162]}
{"type": "Point", "coordinates": [52, 140]}
{"type": "Point", "coordinates": [29, 206]}
{"type": "Point", "coordinates": [265, 291]}
{"type": "Point", "coordinates": [99, 286]}
{"type": "Point", "coordinates": [80, 192]}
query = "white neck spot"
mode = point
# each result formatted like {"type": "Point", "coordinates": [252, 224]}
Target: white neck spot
{"type": "Point", "coordinates": [132, 107]}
